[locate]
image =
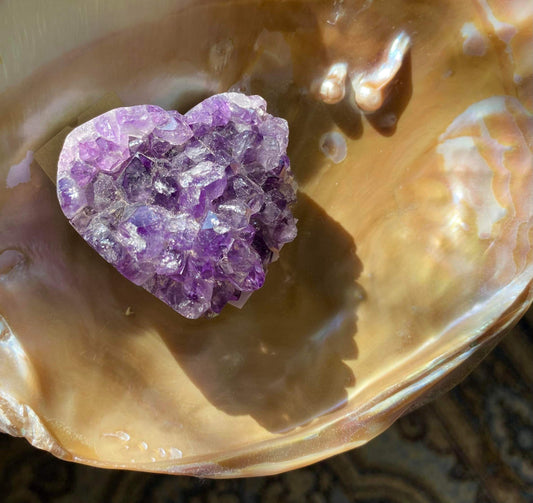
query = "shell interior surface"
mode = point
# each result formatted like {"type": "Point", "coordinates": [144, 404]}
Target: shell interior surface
{"type": "Point", "coordinates": [413, 253]}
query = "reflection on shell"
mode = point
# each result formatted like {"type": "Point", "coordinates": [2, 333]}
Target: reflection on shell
{"type": "Point", "coordinates": [414, 253]}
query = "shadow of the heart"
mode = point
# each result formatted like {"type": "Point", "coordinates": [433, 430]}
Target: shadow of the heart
{"type": "Point", "coordinates": [281, 358]}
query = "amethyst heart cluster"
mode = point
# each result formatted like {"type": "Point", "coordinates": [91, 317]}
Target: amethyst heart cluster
{"type": "Point", "coordinates": [191, 207]}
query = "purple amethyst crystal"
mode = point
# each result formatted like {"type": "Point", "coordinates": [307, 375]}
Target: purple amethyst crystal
{"type": "Point", "coordinates": [191, 207]}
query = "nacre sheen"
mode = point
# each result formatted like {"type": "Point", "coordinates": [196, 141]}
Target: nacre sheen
{"type": "Point", "coordinates": [406, 270]}
{"type": "Point", "coordinates": [191, 207]}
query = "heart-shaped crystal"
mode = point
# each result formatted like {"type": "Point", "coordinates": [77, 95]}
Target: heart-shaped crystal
{"type": "Point", "coordinates": [191, 207]}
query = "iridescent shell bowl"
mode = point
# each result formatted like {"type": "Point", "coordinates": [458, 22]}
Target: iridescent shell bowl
{"type": "Point", "coordinates": [411, 141]}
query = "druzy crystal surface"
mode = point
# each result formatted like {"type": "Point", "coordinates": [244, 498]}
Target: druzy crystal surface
{"type": "Point", "coordinates": [191, 207]}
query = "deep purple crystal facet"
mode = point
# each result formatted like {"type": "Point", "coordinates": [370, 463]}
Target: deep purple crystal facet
{"type": "Point", "coordinates": [191, 207]}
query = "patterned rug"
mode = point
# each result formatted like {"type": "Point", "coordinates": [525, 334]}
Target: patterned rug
{"type": "Point", "coordinates": [473, 445]}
